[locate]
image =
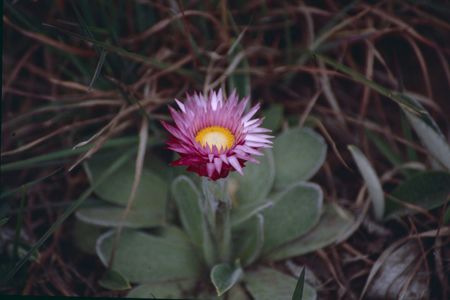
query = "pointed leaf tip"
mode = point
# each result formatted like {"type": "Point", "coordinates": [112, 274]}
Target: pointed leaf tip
{"type": "Point", "coordinates": [224, 276]}
{"type": "Point", "coordinates": [372, 181]}
{"type": "Point", "coordinates": [298, 293]}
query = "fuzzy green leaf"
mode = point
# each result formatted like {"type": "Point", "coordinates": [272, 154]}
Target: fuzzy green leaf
{"type": "Point", "coordinates": [111, 216]}
{"type": "Point", "coordinates": [432, 140]}
{"type": "Point", "coordinates": [113, 280]}
{"type": "Point", "coordinates": [149, 258]}
{"type": "Point", "coordinates": [298, 154]}
{"type": "Point", "coordinates": [269, 284]}
{"type": "Point", "coordinates": [237, 292]}
{"type": "Point", "coordinates": [295, 211]}
{"type": "Point", "coordinates": [428, 190]}
{"type": "Point", "coordinates": [162, 290]}
{"type": "Point", "coordinates": [73, 207]}
{"type": "Point", "coordinates": [243, 214]}
{"type": "Point", "coordinates": [248, 240]}
{"type": "Point", "coordinates": [256, 183]}
{"type": "Point", "coordinates": [85, 236]}
{"type": "Point", "coordinates": [273, 117]}
{"type": "Point", "coordinates": [188, 199]}
{"type": "Point", "coordinates": [151, 194]}
{"type": "Point", "coordinates": [224, 276]}
{"type": "Point", "coordinates": [334, 222]}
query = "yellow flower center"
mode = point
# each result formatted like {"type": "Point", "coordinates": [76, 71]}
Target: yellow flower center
{"type": "Point", "coordinates": [215, 136]}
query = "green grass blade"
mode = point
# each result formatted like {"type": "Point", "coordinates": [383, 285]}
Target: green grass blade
{"type": "Point", "coordinates": [98, 68]}
{"type": "Point", "coordinates": [298, 293]}
{"type": "Point", "coordinates": [61, 154]}
{"type": "Point", "coordinates": [82, 21]}
{"type": "Point", "coordinates": [240, 82]}
{"type": "Point", "coordinates": [323, 34]}
{"type": "Point", "coordinates": [33, 161]}
{"type": "Point", "coordinates": [436, 6]}
{"type": "Point", "coordinates": [407, 133]}
{"type": "Point", "coordinates": [21, 17]}
{"type": "Point", "coordinates": [84, 26]}
{"type": "Point", "coordinates": [405, 102]}
{"type": "Point", "coordinates": [183, 26]}
{"type": "Point", "coordinates": [130, 99]}
{"type": "Point", "coordinates": [26, 186]}
{"type": "Point", "coordinates": [393, 157]}
{"type": "Point", "coordinates": [125, 53]}
{"type": "Point", "coordinates": [36, 26]}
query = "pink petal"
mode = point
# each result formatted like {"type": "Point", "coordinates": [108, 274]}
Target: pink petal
{"type": "Point", "coordinates": [250, 114]}
{"type": "Point", "coordinates": [263, 138]}
{"type": "Point", "coordinates": [180, 105]}
{"type": "Point", "coordinates": [214, 101]}
{"type": "Point", "coordinates": [224, 158]}
{"type": "Point", "coordinates": [251, 122]}
{"type": "Point", "coordinates": [210, 169]}
{"type": "Point", "coordinates": [256, 145]}
{"type": "Point", "coordinates": [218, 164]}
{"type": "Point", "coordinates": [199, 111]}
{"type": "Point", "coordinates": [235, 163]}
{"type": "Point", "coordinates": [249, 150]}
{"type": "Point", "coordinates": [259, 130]}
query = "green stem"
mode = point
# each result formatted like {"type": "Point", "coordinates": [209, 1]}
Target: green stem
{"type": "Point", "coordinates": [223, 232]}
{"type": "Point", "coordinates": [217, 215]}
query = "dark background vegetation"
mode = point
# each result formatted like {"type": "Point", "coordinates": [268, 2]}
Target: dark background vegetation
{"type": "Point", "coordinates": [69, 67]}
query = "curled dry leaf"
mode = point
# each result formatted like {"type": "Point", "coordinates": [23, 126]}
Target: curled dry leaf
{"type": "Point", "coordinates": [399, 273]}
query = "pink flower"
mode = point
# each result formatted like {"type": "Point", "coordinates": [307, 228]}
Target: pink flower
{"type": "Point", "coordinates": [213, 136]}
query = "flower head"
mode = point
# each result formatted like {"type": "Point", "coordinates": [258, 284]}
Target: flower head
{"type": "Point", "coordinates": [213, 136]}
